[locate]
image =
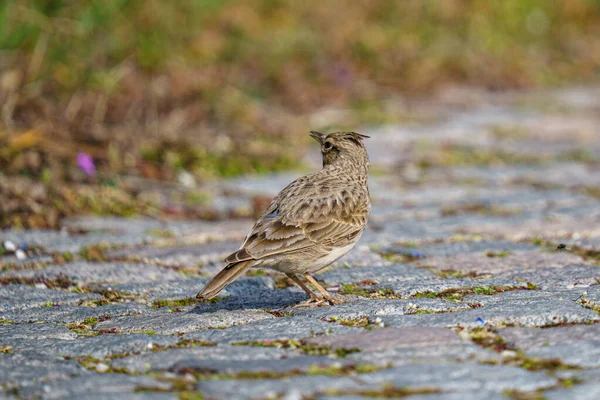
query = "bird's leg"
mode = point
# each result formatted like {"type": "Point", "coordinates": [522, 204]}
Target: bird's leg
{"type": "Point", "coordinates": [326, 295]}
{"type": "Point", "coordinates": [314, 299]}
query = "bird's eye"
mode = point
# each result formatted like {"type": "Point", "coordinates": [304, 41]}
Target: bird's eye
{"type": "Point", "coordinates": [327, 146]}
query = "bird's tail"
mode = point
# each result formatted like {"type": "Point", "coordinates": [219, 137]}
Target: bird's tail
{"type": "Point", "coordinates": [227, 275]}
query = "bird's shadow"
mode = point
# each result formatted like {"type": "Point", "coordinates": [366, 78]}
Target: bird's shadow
{"type": "Point", "coordinates": [252, 297]}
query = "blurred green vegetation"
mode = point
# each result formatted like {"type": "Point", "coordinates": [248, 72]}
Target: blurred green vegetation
{"type": "Point", "coordinates": [221, 88]}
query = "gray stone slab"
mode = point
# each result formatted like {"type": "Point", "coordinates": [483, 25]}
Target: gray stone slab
{"type": "Point", "coordinates": [577, 345]}
{"type": "Point", "coordinates": [395, 346]}
{"type": "Point", "coordinates": [11, 332]}
{"type": "Point", "coordinates": [83, 273]}
{"type": "Point", "coordinates": [459, 248]}
{"type": "Point", "coordinates": [30, 368]}
{"type": "Point", "coordinates": [188, 288]}
{"type": "Point", "coordinates": [533, 308]}
{"type": "Point", "coordinates": [445, 377]}
{"type": "Point", "coordinates": [286, 328]}
{"type": "Point", "coordinates": [167, 323]}
{"type": "Point", "coordinates": [475, 395]}
{"type": "Point", "coordinates": [568, 277]}
{"type": "Point", "coordinates": [101, 386]}
{"type": "Point", "coordinates": [379, 274]}
{"type": "Point", "coordinates": [245, 293]}
{"type": "Point", "coordinates": [382, 308]}
{"type": "Point", "coordinates": [592, 294]}
{"type": "Point", "coordinates": [433, 354]}
{"type": "Point", "coordinates": [102, 346]}
{"type": "Point", "coordinates": [439, 285]}
{"type": "Point", "coordinates": [391, 338]}
{"type": "Point", "coordinates": [22, 297]}
{"type": "Point", "coordinates": [481, 263]}
{"type": "Point", "coordinates": [548, 228]}
{"type": "Point", "coordinates": [222, 359]}
{"type": "Point", "coordinates": [68, 314]}
{"type": "Point", "coordinates": [170, 290]}
{"type": "Point", "coordinates": [584, 391]}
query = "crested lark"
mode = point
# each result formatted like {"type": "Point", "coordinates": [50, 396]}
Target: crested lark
{"type": "Point", "coordinates": [311, 223]}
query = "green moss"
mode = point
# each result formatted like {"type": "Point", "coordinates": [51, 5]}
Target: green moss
{"type": "Point", "coordinates": [149, 332]}
{"type": "Point", "coordinates": [84, 328]}
{"type": "Point", "coordinates": [361, 322]}
{"type": "Point", "coordinates": [497, 254]}
{"type": "Point", "coordinates": [488, 338]}
{"type": "Point", "coordinates": [589, 304]}
{"type": "Point", "coordinates": [94, 253]}
{"type": "Point", "coordinates": [183, 302]}
{"type": "Point", "coordinates": [333, 370]}
{"type": "Point", "coordinates": [456, 295]}
{"type": "Point", "coordinates": [487, 290]}
{"type": "Point", "coordinates": [451, 273]}
{"type": "Point", "coordinates": [192, 343]}
{"type": "Point", "coordinates": [387, 391]}
{"type": "Point", "coordinates": [341, 370]}
{"type": "Point", "coordinates": [190, 395]}
{"type": "Point", "coordinates": [426, 295]}
{"type": "Point", "coordinates": [308, 349]}
{"type": "Point", "coordinates": [569, 382]}
{"type": "Point", "coordinates": [400, 257]}
{"type": "Point", "coordinates": [522, 395]}
{"type": "Point", "coordinates": [4, 321]}
{"type": "Point", "coordinates": [371, 293]}
{"type": "Point", "coordinates": [479, 208]}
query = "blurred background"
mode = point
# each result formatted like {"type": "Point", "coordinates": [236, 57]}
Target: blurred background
{"type": "Point", "coordinates": [137, 107]}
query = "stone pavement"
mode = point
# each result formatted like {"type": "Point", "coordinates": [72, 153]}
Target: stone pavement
{"type": "Point", "coordinates": [456, 291]}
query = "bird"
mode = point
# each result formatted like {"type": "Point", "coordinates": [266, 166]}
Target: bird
{"type": "Point", "coordinates": [311, 223]}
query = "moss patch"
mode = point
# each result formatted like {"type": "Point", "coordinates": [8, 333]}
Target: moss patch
{"type": "Point", "coordinates": [312, 350]}
{"type": "Point", "coordinates": [360, 322]}
{"type": "Point", "coordinates": [183, 302]}
{"type": "Point", "coordinates": [490, 339]}
{"type": "Point", "coordinates": [387, 391]}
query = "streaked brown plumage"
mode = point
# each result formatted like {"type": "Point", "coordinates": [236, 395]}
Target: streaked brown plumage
{"type": "Point", "coordinates": [311, 223]}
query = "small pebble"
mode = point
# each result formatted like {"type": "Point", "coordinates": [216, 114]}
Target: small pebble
{"type": "Point", "coordinates": [509, 354]}
{"type": "Point", "coordinates": [464, 335]}
{"type": "Point", "coordinates": [20, 254]}
{"type": "Point", "coordinates": [9, 246]}
{"type": "Point", "coordinates": [41, 286]}
{"type": "Point", "coordinates": [150, 345]}
{"type": "Point", "coordinates": [101, 368]}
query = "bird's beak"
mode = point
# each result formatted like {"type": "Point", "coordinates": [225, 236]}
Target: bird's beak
{"type": "Point", "coordinates": [318, 136]}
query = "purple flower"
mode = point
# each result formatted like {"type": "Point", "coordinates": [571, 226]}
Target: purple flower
{"type": "Point", "coordinates": [85, 162]}
{"type": "Point", "coordinates": [480, 321]}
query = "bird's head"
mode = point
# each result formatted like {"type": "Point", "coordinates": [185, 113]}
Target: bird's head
{"type": "Point", "coordinates": [343, 148]}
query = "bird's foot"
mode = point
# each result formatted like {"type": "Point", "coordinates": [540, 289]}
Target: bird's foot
{"type": "Point", "coordinates": [314, 301]}
{"type": "Point", "coordinates": [334, 300]}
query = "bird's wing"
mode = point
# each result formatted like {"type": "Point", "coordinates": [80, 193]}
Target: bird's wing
{"type": "Point", "coordinates": [307, 214]}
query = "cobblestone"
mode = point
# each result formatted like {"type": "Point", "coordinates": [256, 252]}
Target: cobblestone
{"type": "Point", "coordinates": [455, 291]}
